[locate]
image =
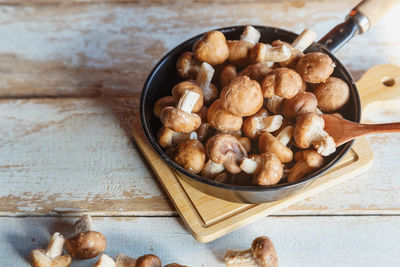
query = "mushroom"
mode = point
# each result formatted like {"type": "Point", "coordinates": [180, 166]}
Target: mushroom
{"type": "Point", "coordinates": [168, 138]}
{"type": "Point", "coordinates": [246, 143]}
{"type": "Point", "coordinates": [332, 94]}
{"type": "Point", "coordinates": [211, 48]}
{"type": "Point", "coordinates": [262, 53]}
{"type": "Point", "coordinates": [315, 67]}
{"type": "Point", "coordinates": [261, 254]}
{"type": "Point", "coordinates": [179, 89]}
{"type": "Point", "coordinates": [309, 130]}
{"type": "Point", "coordinates": [212, 169]}
{"type": "Point", "coordinates": [162, 103]}
{"type": "Point", "coordinates": [190, 155]}
{"type": "Point", "coordinates": [306, 162]}
{"type": "Point", "coordinates": [260, 122]}
{"type": "Point", "coordinates": [223, 120]}
{"type": "Point", "coordinates": [85, 243]}
{"type": "Point", "coordinates": [181, 119]}
{"type": "Point", "coordinates": [256, 71]}
{"type": "Point", "coordinates": [239, 50]}
{"type": "Point", "coordinates": [242, 97]}
{"type": "Point", "coordinates": [274, 104]}
{"type": "Point", "coordinates": [105, 261]}
{"type": "Point", "coordinates": [267, 171]}
{"type": "Point", "coordinates": [283, 82]}
{"type": "Point", "coordinates": [203, 79]}
{"type": "Point", "coordinates": [226, 149]}
{"type": "Point", "coordinates": [187, 65]}
{"type": "Point", "coordinates": [299, 104]}
{"type": "Point", "coordinates": [52, 256]}
{"type": "Point", "coordinates": [228, 73]}
{"type": "Point", "coordinates": [148, 260]}
{"type": "Point", "coordinates": [277, 145]}
{"type": "Point", "coordinates": [174, 265]}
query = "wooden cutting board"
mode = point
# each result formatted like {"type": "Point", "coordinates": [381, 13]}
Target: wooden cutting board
{"type": "Point", "coordinates": [209, 218]}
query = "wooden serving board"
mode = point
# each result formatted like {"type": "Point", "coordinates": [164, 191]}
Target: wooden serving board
{"type": "Point", "coordinates": [209, 218]}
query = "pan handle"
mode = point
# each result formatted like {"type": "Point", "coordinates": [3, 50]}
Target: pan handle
{"type": "Point", "coordinates": [360, 19]}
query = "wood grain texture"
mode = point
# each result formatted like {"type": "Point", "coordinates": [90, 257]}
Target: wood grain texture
{"type": "Point", "coordinates": [109, 49]}
{"type": "Point", "coordinates": [299, 241]}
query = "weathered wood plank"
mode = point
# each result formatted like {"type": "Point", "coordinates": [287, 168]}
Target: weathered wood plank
{"type": "Point", "coordinates": [75, 155]}
{"type": "Point", "coordinates": [299, 241]}
{"type": "Point", "coordinates": [110, 48]}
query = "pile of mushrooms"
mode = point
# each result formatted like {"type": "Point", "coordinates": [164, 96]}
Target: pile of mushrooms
{"type": "Point", "coordinates": [258, 122]}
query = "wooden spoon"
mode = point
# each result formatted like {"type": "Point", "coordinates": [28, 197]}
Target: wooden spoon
{"type": "Point", "coordinates": [343, 130]}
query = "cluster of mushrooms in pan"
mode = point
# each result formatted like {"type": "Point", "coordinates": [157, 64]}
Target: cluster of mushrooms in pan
{"type": "Point", "coordinates": [264, 125]}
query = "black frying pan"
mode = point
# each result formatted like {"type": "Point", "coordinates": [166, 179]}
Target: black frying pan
{"type": "Point", "coordinates": [164, 76]}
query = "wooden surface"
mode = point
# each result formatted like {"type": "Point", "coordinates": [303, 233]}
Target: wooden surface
{"type": "Point", "coordinates": [70, 79]}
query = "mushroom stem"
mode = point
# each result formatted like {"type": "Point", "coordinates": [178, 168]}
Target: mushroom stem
{"type": "Point", "coordinates": [212, 169]}
{"type": "Point", "coordinates": [250, 34]}
{"type": "Point", "coordinates": [55, 246]}
{"type": "Point", "coordinates": [187, 101]}
{"type": "Point", "coordinates": [276, 53]}
{"type": "Point", "coordinates": [285, 135]}
{"type": "Point", "coordinates": [125, 261]}
{"type": "Point", "coordinates": [271, 123]}
{"type": "Point", "coordinates": [318, 111]}
{"type": "Point", "coordinates": [84, 224]}
{"type": "Point", "coordinates": [105, 261]}
{"type": "Point", "coordinates": [304, 40]}
{"type": "Point", "coordinates": [324, 144]}
{"type": "Point", "coordinates": [236, 258]}
{"type": "Point", "coordinates": [274, 104]}
{"type": "Point", "coordinates": [249, 166]}
{"type": "Point", "coordinates": [204, 77]}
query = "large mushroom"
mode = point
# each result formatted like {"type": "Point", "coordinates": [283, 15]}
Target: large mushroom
{"type": "Point", "coordinates": [181, 119]}
{"type": "Point", "coordinates": [261, 254]}
{"type": "Point", "coordinates": [239, 50]}
{"type": "Point", "coordinates": [187, 65]}
{"type": "Point", "coordinates": [179, 89]}
{"type": "Point", "coordinates": [190, 155]}
{"type": "Point", "coordinates": [277, 145]}
{"type": "Point", "coordinates": [203, 79]}
{"type": "Point", "coordinates": [267, 169]}
{"type": "Point", "coordinates": [211, 48]}
{"type": "Point", "coordinates": [260, 122]}
{"type": "Point", "coordinates": [283, 82]}
{"type": "Point", "coordinates": [168, 138]}
{"type": "Point", "coordinates": [306, 162]}
{"type": "Point", "coordinates": [301, 103]}
{"type": "Point", "coordinates": [332, 94]}
{"type": "Point", "coordinates": [52, 256]}
{"type": "Point", "coordinates": [242, 97]}
{"type": "Point", "coordinates": [226, 149]}
{"type": "Point", "coordinates": [221, 119]}
{"type": "Point", "coordinates": [309, 130]}
{"type": "Point", "coordinates": [85, 243]}
{"type": "Point", "coordinates": [315, 67]}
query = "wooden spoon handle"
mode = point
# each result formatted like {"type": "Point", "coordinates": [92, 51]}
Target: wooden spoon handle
{"type": "Point", "coordinates": [379, 128]}
{"type": "Point", "coordinates": [374, 10]}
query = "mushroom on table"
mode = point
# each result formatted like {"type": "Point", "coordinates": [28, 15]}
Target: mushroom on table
{"type": "Point", "coordinates": [52, 256]}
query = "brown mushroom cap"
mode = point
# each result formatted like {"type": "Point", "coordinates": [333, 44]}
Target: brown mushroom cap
{"type": "Point", "coordinates": [187, 66]}
{"type": "Point", "coordinates": [162, 103]}
{"type": "Point", "coordinates": [226, 149]}
{"type": "Point", "coordinates": [179, 89]}
{"type": "Point", "coordinates": [239, 51]}
{"type": "Point", "coordinates": [256, 71]}
{"type": "Point", "coordinates": [299, 104]}
{"type": "Point", "coordinates": [242, 97]}
{"type": "Point", "coordinates": [315, 67]}
{"type": "Point", "coordinates": [174, 265]}
{"type": "Point", "coordinates": [211, 48]}
{"type": "Point", "coordinates": [306, 126]}
{"type": "Point", "coordinates": [86, 245]}
{"type": "Point", "coordinates": [148, 260]}
{"type": "Point", "coordinates": [264, 253]}
{"type": "Point", "coordinates": [332, 95]}
{"type": "Point", "coordinates": [190, 155]}
{"type": "Point", "coordinates": [271, 170]}
{"type": "Point", "coordinates": [223, 120]}
{"type": "Point", "coordinates": [295, 55]}
{"type": "Point", "coordinates": [269, 143]}
{"type": "Point", "coordinates": [228, 73]}
{"type": "Point", "coordinates": [306, 162]}
{"type": "Point", "coordinates": [283, 82]}
{"type": "Point", "coordinates": [179, 120]}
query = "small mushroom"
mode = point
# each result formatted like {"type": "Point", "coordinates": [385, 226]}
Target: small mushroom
{"type": "Point", "coordinates": [174, 265]}
{"type": "Point", "coordinates": [52, 256]}
{"type": "Point", "coordinates": [277, 145]}
{"type": "Point", "coordinates": [306, 162]}
{"type": "Point", "coordinates": [242, 97]}
{"type": "Point", "coordinates": [239, 50]}
{"type": "Point", "coordinates": [228, 73]}
{"type": "Point", "coordinates": [267, 171]}
{"type": "Point", "coordinates": [261, 254]}
{"type": "Point", "coordinates": [283, 82]}
{"type": "Point", "coordinates": [211, 48]}
{"type": "Point", "coordinates": [105, 261]}
{"type": "Point", "coordinates": [299, 104]}
{"type": "Point", "coordinates": [179, 89]}
{"type": "Point", "coordinates": [309, 130]}
{"type": "Point", "coordinates": [212, 169]}
{"type": "Point", "coordinates": [332, 94]}
{"type": "Point", "coordinates": [223, 120]}
{"type": "Point", "coordinates": [260, 122]}
{"type": "Point", "coordinates": [262, 53]}
{"type": "Point", "coordinates": [187, 66]}
{"type": "Point", "coordinates": [161, 103]}
{"type": "Point", "coordinates": [148, 260]}
{"type": "Point", "coordinates": [315, 67]}
{"type": "Point", "coordinates": [181, 119]}
{"type": "Point", "coordinates": [190, 155]}
{"type": "Point", "coordinates": [85, 243]}
{"type": "Point", "coordinates": [168, 138]}
{"type": "Point", "coordinates": [204, 77]}
{"type": "Point", "coordinates": [274, 104]}
{"type": "Point", "coordinates": [256, 71]}
{"type": "Point", "coordinates": [226, 149]}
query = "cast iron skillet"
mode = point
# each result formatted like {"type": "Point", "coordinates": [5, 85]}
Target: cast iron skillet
{"type": "Point", "coordinates": [164, 76]}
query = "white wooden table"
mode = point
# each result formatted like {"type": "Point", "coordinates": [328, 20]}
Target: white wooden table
{"type": "Point", "coordinates": [70, 81]}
